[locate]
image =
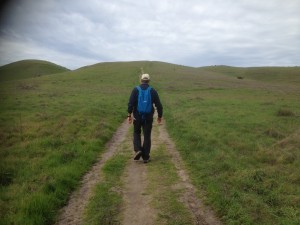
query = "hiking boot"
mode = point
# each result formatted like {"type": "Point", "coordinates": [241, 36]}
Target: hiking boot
{"type": "Point", "coordinates": [147, 160]}
{"type": "Point", "coordinates": [138, 155]}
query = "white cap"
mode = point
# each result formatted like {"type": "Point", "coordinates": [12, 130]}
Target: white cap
{"type": "Point", "coordinates": [145, 76]}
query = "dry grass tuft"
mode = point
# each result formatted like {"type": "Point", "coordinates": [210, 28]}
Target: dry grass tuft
{"type": "Point", "coordinates": [285, 112]}
{"type": "Point", "coordinates": [274, 133]}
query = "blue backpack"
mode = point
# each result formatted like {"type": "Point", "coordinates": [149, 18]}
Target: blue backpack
{"type": "Point", "coordinates": [144, 101]}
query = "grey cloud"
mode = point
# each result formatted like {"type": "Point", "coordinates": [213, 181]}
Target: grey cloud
{"type": "Point", "coordinates": [190, 32]}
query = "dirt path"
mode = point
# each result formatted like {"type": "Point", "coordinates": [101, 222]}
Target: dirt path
{"type": "Point", "coordinates": [137, 201]}
{"type": "Point", "coordinates": [137, 208]}
{"type": "Point", "coordinates": [72, 213]}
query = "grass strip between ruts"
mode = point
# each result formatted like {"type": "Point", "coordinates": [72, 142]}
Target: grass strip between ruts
{"type": "Point", "coordinates": [163, 185]}
{"type": "Point", "coordinates": [104, 206]}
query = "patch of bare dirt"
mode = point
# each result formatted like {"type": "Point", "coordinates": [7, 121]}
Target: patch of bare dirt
{"type": "Point", "coordinates": [72, 213]}
{"type": "Point", "coordinates": [137, 208]}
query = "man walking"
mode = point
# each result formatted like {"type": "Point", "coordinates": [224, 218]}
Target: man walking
{"type": "Point", "coordinates": [140, 104]}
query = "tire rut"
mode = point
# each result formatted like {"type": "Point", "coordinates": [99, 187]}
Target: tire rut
{"type": "Point", "coordinates": [72, 213]}
{"type": "Point", "coordinates": [138, 209]}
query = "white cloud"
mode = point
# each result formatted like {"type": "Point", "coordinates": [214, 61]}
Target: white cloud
{"type": "Point", "coordinates": [29, 50]}
{"type": "Point", "coordinates": [190, 32]}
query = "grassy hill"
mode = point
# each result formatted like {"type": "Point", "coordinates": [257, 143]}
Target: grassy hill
{"type": "Point", "coordinates": [271, 74]}
{"type": "Point", "coordinates": [28, 68]}
{"type": "Point", "coordinates": [239, 138]}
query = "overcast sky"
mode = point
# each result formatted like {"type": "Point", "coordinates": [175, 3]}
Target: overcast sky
{"type": "Point", "coordinates": [76, 33]}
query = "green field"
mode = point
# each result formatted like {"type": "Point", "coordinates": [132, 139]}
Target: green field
{"type": "Point", "coordinates": [53, 128]}
{"type": "Point", "coordinates": [237, 129]}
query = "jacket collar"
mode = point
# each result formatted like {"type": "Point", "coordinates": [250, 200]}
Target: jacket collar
{"type": "Point", "coordinates": [144, 85]}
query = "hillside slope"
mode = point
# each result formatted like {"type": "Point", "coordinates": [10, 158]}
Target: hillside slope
{"type": "Point", "coordinates": [28, 68]}
{"type": "Point", "coordinates": [239, 138]}
{"type": "Point", "coordinates": [271, 74]}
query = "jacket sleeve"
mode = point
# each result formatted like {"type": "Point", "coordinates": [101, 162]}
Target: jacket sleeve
{"type": "Point", "coordinates": [157, 104]}
{"type": "Point", "coordinates": [132, 100]}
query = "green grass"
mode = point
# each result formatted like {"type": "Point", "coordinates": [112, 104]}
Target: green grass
{"type": "Point", "coordinates": [239, 138]}
{"type": "Point", "coordinates": [162, 186]}
{"type": "Point", "coordinates": [104, 206]}
{"type": "Point", "coordinates": [51, 134]}
{"type": "Point", "coordinates": [237, 145]}
{"type": "Point", "coordinates": [289, 75]}
{"type": "Point", "coordinates": [28, 69]}
{"type": "Point", "coordinates": [226, 144]}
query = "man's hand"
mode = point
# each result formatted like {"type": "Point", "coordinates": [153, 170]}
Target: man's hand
{"type": "Point", "coordinates": [129, 119]}
{"type": "Point", "coordinates": [158, 120]}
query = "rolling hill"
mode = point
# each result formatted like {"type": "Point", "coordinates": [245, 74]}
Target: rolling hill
{"type": "Point", "coordinates": [28, 69]}
{"type": "Point", "coordinates": [239, 138]}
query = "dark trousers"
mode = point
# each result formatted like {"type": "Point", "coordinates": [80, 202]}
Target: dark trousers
{"type": "Point", "coordinates": [146, 125]}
